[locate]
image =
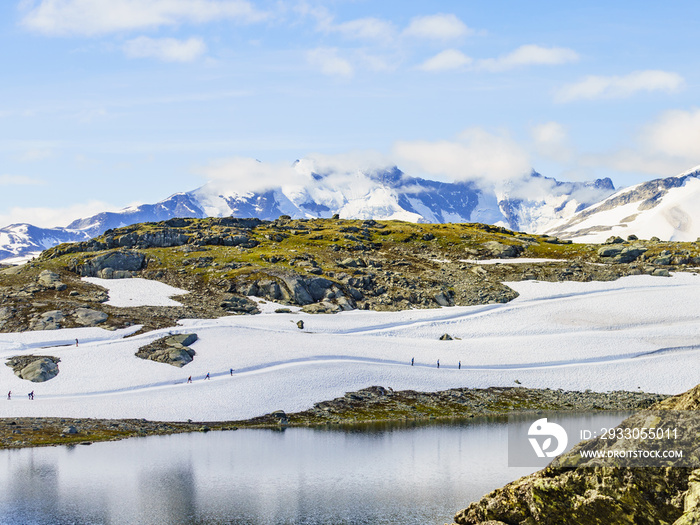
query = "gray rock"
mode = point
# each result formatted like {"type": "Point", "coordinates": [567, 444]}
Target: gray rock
{"type": "Point", "coordinates": [661, 272]}
{"type": "Point", "coordinates": [89, 317]}
{"type": "Point", "coordinates": [70, 430]}
{"type": "Point", "coordinates": [300, 325]}
{"type": "Point", "coordinates": [614, 240]}
{"type": "Point", "coordinates": [181, 339]}
{"type": "Point", "coordinates": [179, 357]}
{"type": "Point", "coordinates": [39, 371]}
{"type": "Point", "coordinates": [51, 279]}
{"type": "Point", "coordinates": [446, 337]}
{"type": "Point", "coordinates": [503, 251]}
{"type": "Point", "coordinates": [118, 261]}
{"type": "Point", "coordinates": [442, 299]}
{"type": "Point", "coordinates": [610, 251]}
{"type": "Point", "coordinates": [296, 290]}
{"type": "Point", "coordinates": [241, 305]}
{"type": "Point", "coordinates": [47, 321]}
{"type": "Point", "coordinates": [318, 287]}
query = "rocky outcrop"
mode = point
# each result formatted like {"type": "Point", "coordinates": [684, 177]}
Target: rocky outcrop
{"type": "Point", "coordinates": [51, 280]}
{"type": "Point", "coordinates": [173, 350]}
{"type": "Point", "coordinates": [315, 294]}
{"type": "Point", "coordinates": [114, 265]}
{"type": "Point", "coordinates": [35, 368]}
{"type": "Point", "coordinates": [89, 317]}
{"type": "Point", "coordinates": [503, 251]}
{"type": "Point", "coordinates": [50, 320]}
{"type": "Point", "coordinates": [579, 491]}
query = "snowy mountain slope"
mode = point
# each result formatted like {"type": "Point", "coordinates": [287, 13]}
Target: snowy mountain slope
{"type": "Point", "coordinates": [527, 204]}
{"type": "Point", "coordinates": [25, 240]}
{"type": "Point", "coordinates": [665, 208]}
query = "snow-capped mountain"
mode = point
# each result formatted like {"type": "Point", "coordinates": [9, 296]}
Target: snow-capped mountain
{"type": "Point", "coordinates": [664, 208]}
{"type": "Point", "coordinates": [19, 241]}
{"type": "Point", "coordinates": [527, 204]}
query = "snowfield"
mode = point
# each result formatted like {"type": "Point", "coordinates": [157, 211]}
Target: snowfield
{"type": "Point", "coordinates": [636, 332]}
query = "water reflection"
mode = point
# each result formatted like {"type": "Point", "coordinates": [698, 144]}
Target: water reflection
{"type": "Point", "coordinates": [378, 474]}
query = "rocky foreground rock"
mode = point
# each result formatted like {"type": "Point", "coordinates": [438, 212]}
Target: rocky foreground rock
{"type": "Point", "coordinates": [35, 368]}
{"type": "Point", "coordinates": [573, 492]}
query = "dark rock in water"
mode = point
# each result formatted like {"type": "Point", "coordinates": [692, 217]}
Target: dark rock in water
{"type": "Point", "coordinates": [300, 325]}
{"type": "Point", "coordinates": [34, 368]}
{"type": "Point", "coordinates": [446, 337]}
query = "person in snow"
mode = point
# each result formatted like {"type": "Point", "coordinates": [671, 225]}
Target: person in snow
{"type": "Point", "coordinates": [438, 365]}
{"type": "Point", "coordinates": [30, 395]}
{"type": "Point", "coordinates": [9, 395]}
{"type": "Point", "coordinates": [412, 360]}
{"type": "Point", "coordinates": [231, 370]}
{"type": "Point", "coordinates": [459, 367]}
{"type": "Point", "coordinates": [207, 376]}
{"type": "Point", "coordinates": [189, 379]}
{"type": "Point", "coordinates": [76, 342]}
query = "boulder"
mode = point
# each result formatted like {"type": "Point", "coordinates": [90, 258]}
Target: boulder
{"type": "Point", "coordinates": [502, 251]}
{"type": "Point", "coordinates": [118, 262]}
{"type": "Point", "coordinates": [47, 321]}
{"type": "Point", "coordinates": [442, 299]}
{"type": "Point", "coordinates": [89, 317]}
{"type": "Point", "coordinates": [181, 340]}
{"type": "Point", "coordinates": [241, 305]}
{"type": "Point", "coordinates": [36, 369]}
{"type": "Point", "coordinates": [51, 279]}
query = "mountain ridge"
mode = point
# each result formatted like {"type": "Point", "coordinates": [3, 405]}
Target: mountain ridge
{"type": "Point", "coordinates": [529, 203]}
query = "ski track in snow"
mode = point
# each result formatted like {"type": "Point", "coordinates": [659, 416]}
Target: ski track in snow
{"type": "Point", "coordinates": [637, 332]}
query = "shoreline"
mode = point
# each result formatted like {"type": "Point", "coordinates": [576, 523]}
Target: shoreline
{"type": "Point", "coordinates": [370, 405]}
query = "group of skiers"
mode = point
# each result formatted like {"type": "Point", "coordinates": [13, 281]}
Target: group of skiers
{"type": "Point", "coordinates": [30, 395]}
{"type": "Point", "coordinates": [459, 364]}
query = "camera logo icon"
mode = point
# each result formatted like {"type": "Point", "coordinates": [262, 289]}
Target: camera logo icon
{"type": "Point", "coordinates": [544, 432]}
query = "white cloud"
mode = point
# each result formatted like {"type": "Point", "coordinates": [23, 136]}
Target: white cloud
{"type": "Point", "coordinates": [329, 63]}
{"type": "Point", "coordinates": [551, 141]}
{"type": "Point", "coordinates": [529, 55]}
{"type": "Point", "coordinates": [54, 217]}
{"type": "Point", "coordinates": [663, 148]}
{"type": "Point", "coordinates": [19, 180]}
{"type": "Point", "coordinates": [244, 174]}
{"type": "Point", "coordinates": [597, 87]}
{"type": "Point", "coordinates": [365, 29]}
{"type": "Point", "coordinates": [166, 49]}
{"type": "Point", "coordinates": [476, 154]}
{"type": "Point", "coordinates": [96, 17]}
{"type": "Point", "coordinates": [35, 155]}
{"type": "Point", "coordinates": [446, 60]}
{"type": "Point", "coordinates": [437, 27]}
{"type": "Point", "coordinates": [368, 28]}
{"type": "Point", "coordinates": [676, 134]}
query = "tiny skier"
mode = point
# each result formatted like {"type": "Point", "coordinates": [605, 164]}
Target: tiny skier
{"type": "Point", "coordinates": [30, 395]}
{"type": "Point", "coordinates": [189, 379]}
{"type": "Point", "coordinates": [412, 360]}
{"type": "Point", "coordinates": [459, 367]}
{"type": "Point", "coordinates": [438, 364]}
{"type": "Point", "coordinates": [76, 342]}
{"type": "Point", "coordinates": [9, 395]}
{"type": "Point", "coordinates": [231, 370]}
{"type": "Point", "coordinates": [207, 376]}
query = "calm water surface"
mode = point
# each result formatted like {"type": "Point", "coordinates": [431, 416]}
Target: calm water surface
{"type": "Point", "coordinates": [399, 475]}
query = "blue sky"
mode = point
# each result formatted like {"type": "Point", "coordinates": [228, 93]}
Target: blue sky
{"type": "Point", "coordinates": [109, 102]}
